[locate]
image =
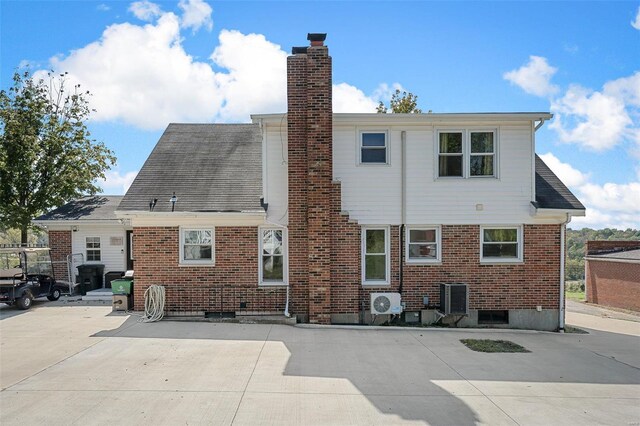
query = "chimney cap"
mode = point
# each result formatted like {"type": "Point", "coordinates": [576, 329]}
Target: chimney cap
{"type": "Point", "coordinates": [299, 50]}
{"type": "Point", "coordinates": [316, 37]}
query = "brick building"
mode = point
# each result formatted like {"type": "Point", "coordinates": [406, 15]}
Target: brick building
{"type": "Point", "coordinates": [309, 213]}
{"type": "Point", "coordinates": [612, 273]}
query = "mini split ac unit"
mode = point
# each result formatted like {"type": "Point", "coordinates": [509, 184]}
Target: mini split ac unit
{"type": "Point", "coordinates": [385, 303]}
{"type": "Point", "coordinates": [454, 299]}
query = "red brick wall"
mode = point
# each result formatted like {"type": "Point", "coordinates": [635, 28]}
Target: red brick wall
{"type": "Point", "coordinates": [507, 286]}
{"type": "Point", "coordinates": [60, 244]}
{"type": "Point", "coordinates": [604, 246]}
{"type": "Point", "coordinates": [219, 288]}
{"type": "Point", "coordinates": [526, 285]}
{"type": "Point", "coordinates": [234, 278]}
{"type": "Point", "coordinates": [614, 284]}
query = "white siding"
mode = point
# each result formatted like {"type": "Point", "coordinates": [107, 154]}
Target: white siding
{"type": "Point", "coordinates": [371, 194]}
{"type": "Point", "coordinates": [276, 173]}
{"type": "Point", "coordinates": [112, 257]}
{"type": "Point", "coordinates": [505, 199]}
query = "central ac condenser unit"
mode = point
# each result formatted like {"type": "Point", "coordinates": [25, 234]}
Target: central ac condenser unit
{"type": "Point", "coordinates": [454, 299]}
{"type": "Point", "coordinates": [385, 303]}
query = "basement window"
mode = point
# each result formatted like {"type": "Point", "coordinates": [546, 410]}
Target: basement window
{"type": "Point", "coordinates": [197, 246]}
{"type": "Point", "coordinates": [493, 317]}
{"type": "Point", "coordinates": [373, 148]}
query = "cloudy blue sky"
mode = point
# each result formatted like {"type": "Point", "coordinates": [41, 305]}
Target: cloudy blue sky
{"type": "Point", "coordinates": [152, 63]}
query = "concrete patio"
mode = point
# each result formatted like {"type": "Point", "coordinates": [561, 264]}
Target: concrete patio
{"type": "Point", "coordinates": [82, 365]}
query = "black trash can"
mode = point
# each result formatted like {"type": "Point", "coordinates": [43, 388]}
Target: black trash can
{"type": "Point", "coordinates": [90, 277]}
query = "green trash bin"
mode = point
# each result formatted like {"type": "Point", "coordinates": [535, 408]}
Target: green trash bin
{"type": "Point", "coordinates": [122, 286]}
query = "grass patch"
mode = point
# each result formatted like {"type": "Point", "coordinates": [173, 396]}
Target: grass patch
{"type": "Point", "coordinates": [575, 330]}
{"type": "Point", "coordinates": [488, 345]}
{"type": "Point", "coordinates": [578, 296]}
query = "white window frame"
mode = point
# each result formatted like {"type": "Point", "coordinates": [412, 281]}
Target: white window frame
{"type": "Point", "coordinates": [519, 259]}
{"type": "Point", "coordinates": [466, 152]}
{"type": "Point", "coordinates": [438, 153]}
{"type": "Point", "coordinates": [200, 262]}
{"type": "Point", "coordinates": [285, 260]}
{"type": "Point", "coordinates": [386, 146]}
{"type": "Point", "coordinates": [87, 249]}
{"type": "Point", "coordinates": [363, 252]}
{"type": "Point", "coordinates": [438, 243]}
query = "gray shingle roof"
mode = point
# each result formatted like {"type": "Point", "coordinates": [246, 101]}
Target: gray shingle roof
{"type": "Point", "coordinates": [210, 167]}
{"type": "Point", "coordinates": [623, 255]}
{"type": "Point", "coordinates": [97, 207]}
{"type": "Point", "coordinates": [551, 193]}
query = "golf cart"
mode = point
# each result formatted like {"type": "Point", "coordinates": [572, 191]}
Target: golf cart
{"type": "Point", "coordinates": [25, 274]}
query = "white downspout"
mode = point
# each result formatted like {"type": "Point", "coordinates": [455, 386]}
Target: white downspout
{"type": "Point", "coordinates": [403, 200]}
{"type": "Point", "coordinates": [562, 263]}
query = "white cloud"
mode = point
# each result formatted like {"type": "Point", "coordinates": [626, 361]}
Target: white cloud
{"type": "Point", "coordinates": [145, 10]}
{"type": "Point", "coordinates": [599, 120]}
{"type": "Point", "coordinates": [116, 183]}
{"type": "Point", "coordinates": [141, 75]}
{"type": "Point", "coordinates": [256, 81]}
{"type": "Point", "coordinates": [636, 23]}
{"type": "Point", "coordinates": [534, 77]}
{"type": "Point", "coordinates": [611, 205]}
{"type": "Point", "coordinates": [195, 14]}
{"type": "Point", "coordinates": [103, 7]}
{"type": "Point", "coordinates": [348, 98]}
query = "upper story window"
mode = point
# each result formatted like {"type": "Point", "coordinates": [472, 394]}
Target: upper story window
{"type": "Point", "coordinates": [501, 244]}
{"type": "Point", "coordinates": [373, 148]}
{"type": "Point", "coordinates": [482, 155]}
{"type": "Point", "coordinates": [467, 153]}
{"type": "Point", "coordinates": [450, 162]}
{"type": "Point", "coordinates": [197, 246]}
{"type": "Point", "coordinates": [423, 244]}
{"type": "Point", "coordinates": [92, 245]}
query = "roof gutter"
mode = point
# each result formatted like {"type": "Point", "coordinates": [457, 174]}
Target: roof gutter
{"type": "Point", "coordinates": [611, 259]}
{"type": "Point", "coordinates": [541, 123]}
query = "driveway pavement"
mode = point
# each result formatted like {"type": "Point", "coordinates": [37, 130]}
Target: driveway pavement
{"type": "Point", "coordinates": [82, 365]}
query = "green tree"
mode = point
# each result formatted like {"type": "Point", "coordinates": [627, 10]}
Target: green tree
{"type": "Point", "coordinates": [401, 103]}
{"type": "Point", "coordinates": [576, 251]}
{"type": "Point", "coordinates": [47, 155]}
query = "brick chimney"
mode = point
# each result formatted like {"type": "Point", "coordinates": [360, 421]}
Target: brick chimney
{"type": "Point", "coordinates": [310, 132]}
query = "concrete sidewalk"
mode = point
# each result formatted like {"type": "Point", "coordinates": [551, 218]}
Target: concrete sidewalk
{"type": "Point", "coordinates": [600, 318]}
{"type": "Point", "coordinates": [79, 365]}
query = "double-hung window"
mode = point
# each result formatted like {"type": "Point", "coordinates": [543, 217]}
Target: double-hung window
{"type": "Point", "coordinates": [197, 246]}
{"type": "Point", "coordinates": [273, 251]}
{"type": "Point", "coordinates": [451, 154]}
{"type": "Point", "coordinates": [501, 244]}
{"type": "Point", "coordinates": [482, 155]}
{"type": "Point", "coordinates": [423, 244]}
{"type": "Point", "coordinates": [375, 256]}
{"type": "Point", "coordinates": [467, 153]}
{"type": "Point", "coordinates": [92, 245]}
{"type": "Point", "coordinates": [373, 148]}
